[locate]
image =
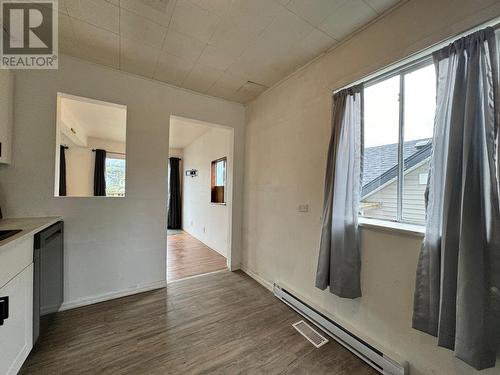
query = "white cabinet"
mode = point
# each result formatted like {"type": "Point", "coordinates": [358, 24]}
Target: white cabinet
{"type": "Point", "coordinates": [6, 114]}
{"type": "Point", "coordinates": [16, 333]}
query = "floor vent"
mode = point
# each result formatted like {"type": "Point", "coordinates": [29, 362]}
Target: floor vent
{"type": "Point", "coordinates": [373, 356]}
{"type": "Point", "coordinates": [310, 334]}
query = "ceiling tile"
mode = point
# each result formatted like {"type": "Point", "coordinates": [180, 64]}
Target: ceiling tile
{"type": "Point", "coordinates": [231, 35]}
{"type": "Point", "coordinates": [267, 59]}
{"type": "Point", "coordinates": [316, 12]}
{"type": "Point", "coordinates": [226, 85]}
{"type": "Point", "coordinates": [172, 69]}
{"type": "Point", "coordinates": [138, 58]}
{"type": "Point", "coordinates": [201, 78]}
{"type": "Point", "coordinates": [95, 44]}
{"type": "Point", "coordinates": [248, 92]}
{"type": "Point", "coordinates": [61, 7]}
{"type": "Point", "coordinates": [66, 34]}
{"type": "Point", "coordinates": [218, 58]}
{"type": "Point", "coordinates": [140, 28]}
{"type": "Point", "coordinates": [284, 31]}
{"type": "Point", "coordinates": [190, 19]}
{"type": "Point", "coordinates": [380, 6]}
{"type": "Point", "coordinates": [159, 11]}
{"type": "Point", "coordinates": [315, 43]}
{"type": "Point", "coordinates": [255, 69]}
{"type": "Point", "coordinates": [99, 13]}
{"type": "Point", "coordinates": [347, 18]}
{"type": "Point", "coordinates": [183, 46]}
{"type": "Point", "coordinates": [306, 49]}
{"type": "Point", "coordinates": [219, 7]}
{"type": "Point", "coordinates": [254, 16]}
{"type": "Point", "coordinates": [211, 46]}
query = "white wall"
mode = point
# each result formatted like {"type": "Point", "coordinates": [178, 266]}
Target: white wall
{"type": "Point", "coordinates": [287, 134]}
{"type": "Point", "coordinates": [111, 245]}
{"type": "Point", "coordinates": [175, 152]}
{"type": "Point", "coordinates": [206, 221]}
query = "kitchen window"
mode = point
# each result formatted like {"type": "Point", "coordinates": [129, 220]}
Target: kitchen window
{"type": "Point", "coordinates": [398, 124]}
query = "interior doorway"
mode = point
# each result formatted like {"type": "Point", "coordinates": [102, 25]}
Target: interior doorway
{"type": "Point", "coordinates": [199, 198]}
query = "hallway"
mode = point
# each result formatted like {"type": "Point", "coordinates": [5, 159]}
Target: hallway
{"type": "Point", "coordinates": [187, 256]}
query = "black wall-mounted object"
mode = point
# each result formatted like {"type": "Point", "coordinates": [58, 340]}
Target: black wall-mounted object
{"type": "Point", "coordinates": [48, 259]}
{"type": "Point", "coordinates": [4, 309]}
{"type": "Point", "coordinates": [192, 173]}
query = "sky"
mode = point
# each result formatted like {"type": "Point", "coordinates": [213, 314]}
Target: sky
{"type": "Point", "coordinates": [381, 106]}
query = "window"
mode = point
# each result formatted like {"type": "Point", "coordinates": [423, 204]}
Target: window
{"type": "Point", "coordinates": [115, 177]}
{"type": "Point", "coordinates": [218, 191]}
{"type": "Point", "coordinates": [398, 128]}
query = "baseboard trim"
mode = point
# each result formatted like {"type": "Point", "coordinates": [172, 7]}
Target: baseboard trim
{"type": "Point", "coordinates": [266, 284]}
{"type": "Point", "coordinates": [113, 295]}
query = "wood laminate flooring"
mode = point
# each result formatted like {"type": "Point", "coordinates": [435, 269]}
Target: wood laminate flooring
{"type": "Point", "coordinates": [187, 256]}
{"type": "Point", "coordinates": [220, 323]}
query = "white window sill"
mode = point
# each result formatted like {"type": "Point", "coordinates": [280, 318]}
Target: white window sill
{"type": "Point", "coordinates": [391, 226]}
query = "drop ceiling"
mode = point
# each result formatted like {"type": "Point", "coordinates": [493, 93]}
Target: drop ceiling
{"type": "Point", "coordinates": [233, 49]}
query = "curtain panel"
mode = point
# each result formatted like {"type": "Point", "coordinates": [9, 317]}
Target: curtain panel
{"type": "Point", "coordinates": [174, 200]}
{"type": "Point", "coordinates": [457, 294]}
{"type": "Point", "coordinates": [100, 173]}
{"type": "Point", "coordinates": [339, 262]}
{"type": "Point", "coordinates": [62, 171]}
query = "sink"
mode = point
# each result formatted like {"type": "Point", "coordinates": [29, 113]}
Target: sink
{"type": "Point", "coordinates": [4, 234]}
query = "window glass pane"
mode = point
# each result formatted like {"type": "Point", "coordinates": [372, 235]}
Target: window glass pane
{"type": "Point", "coordinates": [219, 173]}
{"type": "Point", "coordinates": [380, 154]}
{"type": "Point", "coordinates": [419, 108]}
{"type": "Point", "coordinates": [115, 177]}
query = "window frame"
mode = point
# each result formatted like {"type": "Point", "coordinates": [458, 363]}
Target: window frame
{"type": "Point", "coordinates": [401, 71]}
{"type": "Point", "coordinates": [213, 179]}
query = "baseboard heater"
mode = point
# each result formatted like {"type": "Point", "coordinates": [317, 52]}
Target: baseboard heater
{"type": "Point", "coordinates": [374, 357]}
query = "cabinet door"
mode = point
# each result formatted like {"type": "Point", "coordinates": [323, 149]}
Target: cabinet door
{"type": "Point", "coordinates": [6, 114]}
{"type": "Point", "coordinates": [16, 333]}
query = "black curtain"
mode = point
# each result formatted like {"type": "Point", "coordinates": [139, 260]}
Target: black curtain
{"type": "Point", "coordinates": [174, 200]}
{"type": "Point", "coordinates": [62, 171]}
{"type": "Point", "coordinates": [99, 173]}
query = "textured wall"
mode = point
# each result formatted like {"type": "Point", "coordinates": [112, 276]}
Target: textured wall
{"type": "Point", "coordinates": [287, 137]}
{"type": "Point", "coordinates": [112, 245]}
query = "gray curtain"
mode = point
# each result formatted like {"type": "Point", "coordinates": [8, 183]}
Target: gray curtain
{"type": "Point", "coordinates": [339, 262]}
{"type": "Point", "coordinates": [457, 294]}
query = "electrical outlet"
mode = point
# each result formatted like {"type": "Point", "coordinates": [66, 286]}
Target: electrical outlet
{"type": "Point", "coordinates": [303, 208]}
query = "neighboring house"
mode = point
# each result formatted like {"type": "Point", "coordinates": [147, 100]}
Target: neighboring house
{"type": "Point", "coordinates": [379, 189]}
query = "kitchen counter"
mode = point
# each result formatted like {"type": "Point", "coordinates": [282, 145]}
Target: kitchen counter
{"type": "Point", "coordinates": [29, 226]}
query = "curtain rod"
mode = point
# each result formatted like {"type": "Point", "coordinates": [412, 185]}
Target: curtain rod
{"type": "Point", "coordinates": [112, 152]}
{"type": "Point", "coordinates": [418, 56]}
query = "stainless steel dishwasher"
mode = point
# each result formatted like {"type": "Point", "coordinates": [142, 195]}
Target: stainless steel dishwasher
{"type": "Point", "coordinates": [48, 290]}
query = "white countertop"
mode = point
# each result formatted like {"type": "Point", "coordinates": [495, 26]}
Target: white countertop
{"type": "Point", "coordinates": [29, 226]}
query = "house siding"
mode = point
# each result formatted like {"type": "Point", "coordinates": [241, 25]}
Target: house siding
{"type": "Point", "coordinates": [413, 198]}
